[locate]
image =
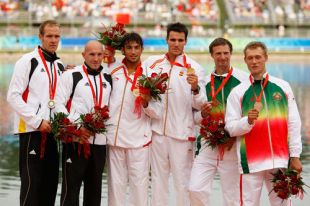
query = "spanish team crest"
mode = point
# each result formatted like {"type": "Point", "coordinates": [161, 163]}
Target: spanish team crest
{"type": "Point", "coordinates": [181, 73]}
{"type": "Point", "coordinates": [277, 96]}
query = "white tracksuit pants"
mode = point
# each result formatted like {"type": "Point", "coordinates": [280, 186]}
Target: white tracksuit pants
{"type": "Point", "coordinates": [251, 188]}
{"type": "Point", "coordinates": [175, 156]}
{"type": "Point", "coordinates": [205, 167]}
{"type": "Point", "coordinates": [128, 166]}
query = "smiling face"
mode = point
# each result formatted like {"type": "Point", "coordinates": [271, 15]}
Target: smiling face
{"type": "Point", "coordinates": [93, 54]}
{"type": "Point", "coordinates": [50, 38]}
{"type": "Point", "coordinates": [256, 59]}
{"type": "Point", "coordinates": [221, 55]}
{"type": "Point", "coordinates": [176, 42]}
{"type": "Point", "coordinates": [132, 51]}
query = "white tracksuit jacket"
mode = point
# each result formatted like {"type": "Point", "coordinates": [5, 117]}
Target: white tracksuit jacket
{"type": "Point", "coordinates": [177, 117]}
{"type": "Point", "coordinates": [127, 130]}
{"type": "Point", "coordinates": [31, 112]}
{"type": "Point", "coordinates": [82, 100]}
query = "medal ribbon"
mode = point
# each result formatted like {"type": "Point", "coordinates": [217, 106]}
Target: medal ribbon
{"type": "Point", "coordinates": [52, 85]}
{"type": "Point", "coordinates": [92, 88]}
{"type": "Point", "coordinates": [213, 92]}
{"type": "Point", "coordinates": [138, 73]}
{"type": "Point", "coordinates": [185, 65]}
{"type": "Point", "coordinates": [259, 97]}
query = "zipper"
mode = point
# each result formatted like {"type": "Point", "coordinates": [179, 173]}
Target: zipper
{"type": "Point", "coordinates": [269, 130]}
{"type": "Point", "coordinates": [223, 98]}
{"type": "Point", "coordinates": [165, 122]}
{"type": "Point", "coordinates": [120, 113]}
{"type": "Point", "coordinates": [39, 107]}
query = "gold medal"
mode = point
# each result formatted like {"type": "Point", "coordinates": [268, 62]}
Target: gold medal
{"type": "Point", "coordinates": [190, 71]}
{"type": "Point", "coordinates": [215, 103]}
{"type": "Point", "coordinates": [51, 104]}
{"type": "Point", "coordinates": [136, 92]}
{"type": "Point", "coordinates": [258, 106]}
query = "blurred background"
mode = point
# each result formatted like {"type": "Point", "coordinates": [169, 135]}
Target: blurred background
{"type": "Point", "coordinates": [284, 25]}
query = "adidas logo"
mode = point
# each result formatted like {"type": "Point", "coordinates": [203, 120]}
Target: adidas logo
{"type": "Point", "coordinates": [104, 85]}
{"type": "Point", "coordinates": [32, 152]}
{"type": "Point", "coordinates": [42, 70]}
{"type": "Point", "coordinates": [69, 160]}
{"type": "Point", "coordinates": [86, 84]}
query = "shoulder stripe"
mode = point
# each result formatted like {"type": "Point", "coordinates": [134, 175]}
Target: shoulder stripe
{"type": "Point", "coordinates": [156, 62]}
{"type": "Point", "coordinates": [116, 69]}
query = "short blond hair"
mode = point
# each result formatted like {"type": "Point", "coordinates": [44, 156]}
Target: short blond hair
{"type": "Point", "coordinates": [47, 23]}
{"type": "Point", "coordinates": [254, 45]}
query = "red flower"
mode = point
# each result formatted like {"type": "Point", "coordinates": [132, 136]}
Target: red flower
{"type": "Point", "coordinates": [66, 121]}
{"type": "Point", "coordinates": [88, 118]}
{"type": "Point", "coordinates": [212, 127]}
{"type": "Point", "coordinates": [153, 75]}
{"type": "Point", "coordinates": [205, 122]}
{"type": "Point", "coordinates": [164, 76]}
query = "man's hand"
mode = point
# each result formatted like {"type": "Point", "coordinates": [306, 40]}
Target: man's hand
{"type": "Point", "coordinates": [45, 126]}
{"type": "Point", "coordinates": [85, 134]}
{"type": "Point", "coordinates": [192, 79]}
{"type": "Point", "coordinates": [69, 66]}
{"type": "Point", "coordinates": [252, 116]}
{"type": "Point", "coordinates": [206, 109]}
{"type": "Point", "coordinates": [296, 165]}
{"type": "Point", "coordinates": [145, 100]}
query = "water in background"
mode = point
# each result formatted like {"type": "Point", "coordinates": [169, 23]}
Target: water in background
{"type": "Point", "coordinates": [295, 70]}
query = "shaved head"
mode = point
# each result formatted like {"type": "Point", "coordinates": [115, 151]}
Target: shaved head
{"type": "Point", "coordinates": [93, 54]}
{"type": "Point", "coordinates": [93, 44]}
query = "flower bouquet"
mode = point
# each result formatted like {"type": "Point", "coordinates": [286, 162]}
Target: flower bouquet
{"type": "Point", "coordinates": [149, 88]}
{"type": "Point", "coordinates": [286, 183]}
{"type": "Point", "coordinates": [112, 38]}
{"type": "Point", "coordinates": [155, 85]}
{"type": "Point", "coordinates": [63, 129]}
{"type": "Point", "coordinates": [95, 121]}
{"type": "Point", "coordinates": [213, 132]}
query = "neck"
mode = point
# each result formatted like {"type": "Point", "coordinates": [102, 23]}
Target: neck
{"type": "Point", "coordinates": [172, 57]}
{"type": "Point", "coordinates": [222, 70]}
{"type": "Point", "coordinates": [47, 52]}
{"type": "Point", "coordinates": [131, 66]}
{"type": "Point", "coordinates": [259, 76]}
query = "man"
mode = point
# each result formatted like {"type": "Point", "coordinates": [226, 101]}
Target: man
{"type": "Point", "coordinates": [173, 133]}
{"type": "Point", "coordinates": [31, 94]}
{"type": "Point", "coordinates": [263, 114]}
{"type": "Point", "coordinates": [130, 136]}
{"type": "Point", "coordinates": [221, 160]}
{"type": "Point", "coordinates": [85, 87]}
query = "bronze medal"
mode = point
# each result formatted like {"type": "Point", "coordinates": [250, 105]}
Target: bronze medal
{"type": "Point", "coordinates": [215, 103]}
{"type": "Point", "coordinates": [258, 106]}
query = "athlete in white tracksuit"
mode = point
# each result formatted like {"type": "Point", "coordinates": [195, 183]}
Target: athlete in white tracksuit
{"type": "Point", "coordinates": [129, 136]}
{"type": "Point", "coordinates": [208, 162]}
{"type": "Point", "coordinates": [34, 81]}
{"type": "Point", "coordinates": [173, 133]}
{"type": "Point", "coordinates": [84, 87]}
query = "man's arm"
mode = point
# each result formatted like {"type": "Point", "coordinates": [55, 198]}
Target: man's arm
{"type": "Point", "coordinates": [235, 123]}
{"type": "Point", "coordinates": [294, 132]}
{"type": "Point", "coordinates": [18, 85]}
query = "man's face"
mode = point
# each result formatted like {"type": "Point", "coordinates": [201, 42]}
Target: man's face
{"type": "Point", "coordinates": [221, 56]}
{"type": "Point", "coordinates": [132, 51]}
{"type": "Point", "coordinates": [176, 42]}
{"type": "Point", "coordinates": [93, 55]}
{"type": "Point", "coordinates": [256, 60]}
{"type": "Point", "coordinates": [50, 39]}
